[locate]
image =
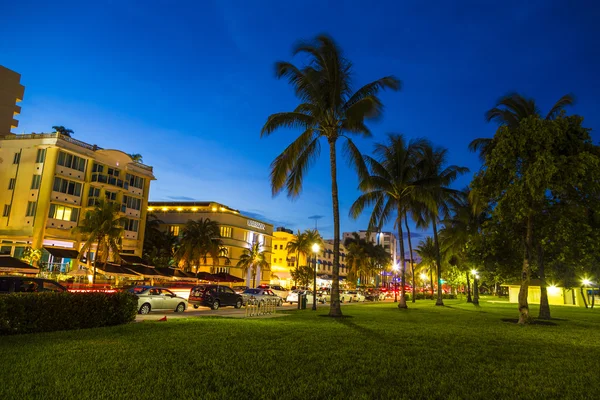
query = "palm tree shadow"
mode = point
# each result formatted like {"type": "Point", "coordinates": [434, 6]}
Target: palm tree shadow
{"type": "Point", "coordinates": [360, 329]}
{"type": "Point", "coordinates": [475, 308]}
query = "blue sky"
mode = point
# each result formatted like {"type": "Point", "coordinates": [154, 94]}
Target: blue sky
{"type": "Point", "coordinates": [189, 84]}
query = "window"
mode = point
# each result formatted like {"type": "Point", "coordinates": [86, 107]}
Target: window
{"type": "Point", "coordinates": [174, 229]}
{"type": "Point", "coordinates": [67, 187]}
{"type": "Point", "coordinates": [17, 158]}
{"type": "Point", "coordinates": [135, 181]}
{"type": "Point", "coordinates": [41, 156]}
{"type": "Point", "coordinates": [249, 237]}
{"type": "Point", "coordinates": [6, 211]}
{"type": "Point", "coordinates": [131, 225]}
{"type": "Point", "coordinates": [221, 270]}
{"type": "Point", "coordinates": [132, 202]}
{"type": "Point", "coordinates": [71, 161]}
{"type": "Point", "coordinates": [98, 168]}
{"type": "Point", "coordinates": [93, 195]}
{"type": "Point", "coordinates": [110, 196]}
{"type": "Point", "coordinates": [35, 181]}
{"type": "Point", "coordinates": [63, 213]}
{"type": "Point", "coordinates": [11, 184]}
{"type": "Point", "coordinates": [31, 206]}
{"type": "Point", "coordinates": [226, 231]}
{"type": "Point", "coordinates": [114, 172]}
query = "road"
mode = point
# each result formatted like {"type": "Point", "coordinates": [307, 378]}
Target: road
{"type": "Point", "coordinates": [223, 312]}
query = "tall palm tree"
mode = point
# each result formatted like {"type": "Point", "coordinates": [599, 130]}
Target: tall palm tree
{"type": "Point", "coordinates": [392, 184]}
{"type": "Point", "coordinates": [200, 240]}
{"type": "Point", "coordinates": [298, 245]}
{"type": "Point", "coordinates": [357, 256]}
{"type": "Point", "coordinates": [329, 109]}
{"type": "Point", "coordinates": [63, 131]}
{"type": "Point", "coordinates": [103, 226]}
{"type": "Point", "coordinates": [510, 110]}
{"type": "Point", "coordinates": [252, 259]}
{"type": "Point", "coordinates": [438, 196]}
{"type": "Point", "coordinates": [427, 251]}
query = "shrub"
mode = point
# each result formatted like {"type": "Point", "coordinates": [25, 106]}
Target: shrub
{"type": "Point", "coordinates": [46, 312]}
{"type": "Point", "coordinates": [421, 296]}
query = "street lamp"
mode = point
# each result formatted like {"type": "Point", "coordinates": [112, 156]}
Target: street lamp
{"type": "Point", "coordinates": [423, 279]}
{"type": "Point", "coordinates": [315, 248]}
{"type": "Point", "coordinates": [475, 287]}
{"type": "Point", "coordinates": [395, 268]}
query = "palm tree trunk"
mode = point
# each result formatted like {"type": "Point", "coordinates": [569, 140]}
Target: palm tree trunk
{"type": "Point", "coordinates": [412, 264]}
{"type": "Point", "coordinates": [524, 317]}
{"type": "Point", "coordinates": [469, 299]}
{"type": "Point", "coordinates": [402, 301]}
{"type": "Point", "coordinates": [544, 304]}
{"type": "Point", "coordinates": [431, 280]}
{"type": "Point", "coordinates": [96, 261]}
{"type": "Point", "coordinates": [438, 260]}
{"type": "Point", "coordinates": [335, 309]}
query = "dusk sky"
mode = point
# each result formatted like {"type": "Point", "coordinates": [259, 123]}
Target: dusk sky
{"type": "Point", "coordinates": [190, 85]}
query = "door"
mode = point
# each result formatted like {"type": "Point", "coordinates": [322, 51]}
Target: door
{"type": "Point", "coordinates": [170, 301]}
{"type": "Point", "coordinates": [157, 301]}
{"type": "Point", "coordinates": [227, 296]}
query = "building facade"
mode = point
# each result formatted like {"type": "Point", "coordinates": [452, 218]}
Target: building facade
{"type": "Point", "coordinates": [48, 183]}
{"type": "Point", "coordinates": [238, 233]}
{"type": "Point", "coordinates": [11, 92]}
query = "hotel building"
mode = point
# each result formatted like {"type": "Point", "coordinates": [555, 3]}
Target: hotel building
{"type": "Point", "coordinates": [238, 232]}
{"type": "Point", "coordinates": [11, 92]}
{"type": "Point", "coordinates": [48, 183]}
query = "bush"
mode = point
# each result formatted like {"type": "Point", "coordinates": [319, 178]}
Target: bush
{"type": "Point", "coordinates": [421, 296]}
{"type": "Point", "coordinates": [47, 312]}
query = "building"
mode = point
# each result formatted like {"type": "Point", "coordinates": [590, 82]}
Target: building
{"type": "Point", "coordinates": [283, 263]}
{"type": "Point", "coordinates": [556, 295]}
{"type": "Point", "coordinates": [11, 92]}
{"type": "Point", "coordinates": [50, 180]}
{"type": "Point", "coordinates": [238, 232]}
{"type": "Point", "coordinates": [386, 239]}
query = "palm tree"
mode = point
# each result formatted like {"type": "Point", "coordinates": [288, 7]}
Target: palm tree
{"type": "Point", "coordinates": [392, 184]}
{"type": "Point", "coordinates": [63, 131]}
{"type": "Point", "coordinates": [31, 255]}
{"type": "Point", "coordinates": [136, 157]}
{"type": "Point", "coordinates": [427, 251]}
{"type": "Point", "coordinates": [329, 109]}
{"type": "Point", "coordinates": [439, 196]}
{"type": "Point", "coordinates": [357, 256]}
{"type": "Point", "coordinates": [509, 111]}
{"type": "Point", "coordinates": [298, 245]}
{"type": "Point", "coordinates": [102, 226]}
{"type": "Point", "coordinates": [252, 259]}
{"type": "Point", "coordinates": [199, 240]}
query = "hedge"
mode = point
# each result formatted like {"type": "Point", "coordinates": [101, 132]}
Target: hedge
{"type": "Point", "coordinates": [427, 296]}
{"type": "Point", "coordinates": [47, 312]}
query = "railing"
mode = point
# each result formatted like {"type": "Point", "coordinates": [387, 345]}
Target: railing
{"type": "Point", "coordinates": [256, 307]}
{"type": "Point", "coordinates": [55, 267]}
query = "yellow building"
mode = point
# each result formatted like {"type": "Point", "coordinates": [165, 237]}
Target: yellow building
{"type": "Point", "coordinates": [238, 232]}
{"type": "Point", "coordinates": [11, 92]}
{"type": "Point", "coordinates": [284, 263]}
{"type": "Point", "coordinates": [49, 180]}
{"type": "Point", "coordinates": [557, 296]}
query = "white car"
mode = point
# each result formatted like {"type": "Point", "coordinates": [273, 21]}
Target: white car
{"type": "Point", "coordinates": [261, 295]}
{"type": "Point", "coordinates": [351, 296]}
{"type": "Point", "coordinates": [156, 298]}
{"type": "Point", "coordinates": [293, 296]}
{"type": "Point", "coordinates": [278, 290]}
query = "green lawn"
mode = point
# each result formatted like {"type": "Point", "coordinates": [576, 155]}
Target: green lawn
{"type": "Point", "coordinates": [380, 352]}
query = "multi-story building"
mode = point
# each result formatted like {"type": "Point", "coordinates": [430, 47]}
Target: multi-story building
{"type": "Point", "coordinates": [386, 239]}
{"type": "Point", "coordinates": [11, 92]}
{"type": "Point", "coordinates": [238, 233]}
{"type": "Point", "coordinates": [284, 262]}
{"type": "Point", "coordinates": [48, 181]}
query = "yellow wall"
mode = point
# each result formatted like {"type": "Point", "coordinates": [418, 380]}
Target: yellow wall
{"type": "Point", "coordinates": [556, 295]}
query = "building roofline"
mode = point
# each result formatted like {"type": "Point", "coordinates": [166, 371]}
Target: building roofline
{"type": "Point", "coordinates": [189, 206]}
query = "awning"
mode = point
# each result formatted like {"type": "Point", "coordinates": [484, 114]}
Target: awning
{"type": "Point", "coordinates": [11, 264]}
{"type": "Point", "coordinates": [143, 270]}
{"type": "Point", "coordinates": [61, 252]}
{"type": "Point", "coordinates": [116, 270]}
{"type": "Point", "coordinates": [223, 277]}
{"type": "Point", "coordinates": [132, 259]}
{"type": "Point", "coordinates": [205, 276]}
{"type": "Point", "coordinates": [176, 273]}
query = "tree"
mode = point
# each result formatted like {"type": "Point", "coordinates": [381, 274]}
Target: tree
{"type": "Point", "coordinates": [537, 162]}
{"type": "Point", "coordinates": [303, 275]}
{"type": "Point", "coordinates": [437, 196]}
{"type": "Point", "coordinates": [329, 109]}
{"type": "Point", "coordinates": [103, 226]}
{"type": "Point", "coordinates": [428, 253]}
{"type": "Point", "coordinates": [252, 259]}
{"type": "Point", "coordinates": [159, 246]}
{"type": "Point", "coordinates": [357, 257]}
{"type": "Point", "coordinates": [63, 131]}
{"type": "Point", "coordinates": [509, 111]}
{"type": "Point", "coordinates": [298, 245]}
{"type": "Point", "coordinates": [200, 240]}
{"type": "Point", "coordinates": [31, 255]}
{"type": "Point", "coordinates": [390, 186]}
{"type": "Point", "coordinates": [136, 157]}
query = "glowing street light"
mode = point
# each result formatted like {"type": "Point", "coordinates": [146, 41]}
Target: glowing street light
{"type": "Point", "coordinates": [586, 282]}
{"type": "Point", "coordinates": [475, 287]}
{"type": "Point", "coordinates": [315, 248]}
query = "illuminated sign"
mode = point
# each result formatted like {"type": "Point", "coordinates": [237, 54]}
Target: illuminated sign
{"type": "Point", "coordinates": [257, 225]}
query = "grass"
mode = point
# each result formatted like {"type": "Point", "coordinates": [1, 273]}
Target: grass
{"type": "Point", "coordinates": [456, 351]}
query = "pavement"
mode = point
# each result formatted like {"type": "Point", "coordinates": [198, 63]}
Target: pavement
{"type": "Point", "coordinates": [229, 312]}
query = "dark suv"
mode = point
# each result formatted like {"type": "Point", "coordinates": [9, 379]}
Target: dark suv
{"type": "Point", "coordinates": [21, 284]}
{"type": "Point", "coordinates": [214, 296]}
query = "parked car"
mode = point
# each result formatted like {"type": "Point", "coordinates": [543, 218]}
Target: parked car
{"type": "Point", "coordinates": [21, 284]}
{"type": "Point", "coordinates": [323, 296]}
{"type": "Point", "coordinates": [214, 296]}
{"type": "Point", "coordinates": [157, 298]}
{"type": "Point", "coordinates": [372, 295]}
{"type": "Point", "coordinates": [240, 289]}
{"type": "Point", "coordinates": [293, 296]}
{"type": "Point", "coordinates": [351, 296]}
{"type": "Point", "coordinates": [278, 290]}
{"type": "Point", "coordinates": [261, 295]}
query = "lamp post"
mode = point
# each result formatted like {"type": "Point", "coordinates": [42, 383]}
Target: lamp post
{"type": "Point", "coordinates": [423, 279]}
{"type": "Point", "coordinates": [395, 268]}
{"type": "Point", "coordinates": [315, 248]}
{"type": "Point", "coordinates": [475, 287]}
{"type": "Point", "coordinates": [585, 283]}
